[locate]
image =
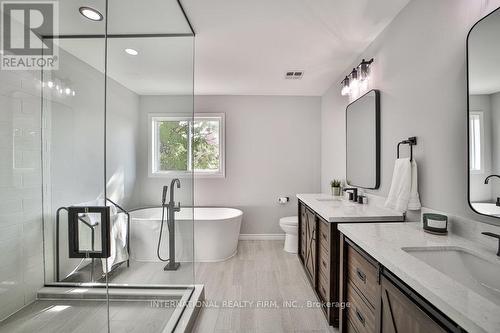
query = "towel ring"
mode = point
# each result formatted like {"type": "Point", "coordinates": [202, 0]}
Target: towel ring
{"type": "Point", "coordinates": [412, 141]}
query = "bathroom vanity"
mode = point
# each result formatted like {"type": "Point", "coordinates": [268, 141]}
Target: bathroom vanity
{"type": "Point", "coordinates": [319, 241]}
{"type": "Point", "coordinates": [398, 278]}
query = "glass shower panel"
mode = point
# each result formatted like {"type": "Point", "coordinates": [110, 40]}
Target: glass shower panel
{"type": "Point", "coordinates": [151, 75]}
{"type": "Point", "coordinates": [73, 113]}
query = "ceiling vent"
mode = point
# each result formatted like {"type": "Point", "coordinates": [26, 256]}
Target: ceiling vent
{"type": "Point", "coordinates": [294, 75]}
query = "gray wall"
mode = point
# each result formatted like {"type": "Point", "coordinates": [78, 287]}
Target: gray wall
{"type": "Point", "coordinates": [495, 123]}
{"type": "Point", "coordinates": [420, 68]}
{"type": "Point", "coordinates": [478, 190]}
{"type": "Point", "coordinates": [272, 149]}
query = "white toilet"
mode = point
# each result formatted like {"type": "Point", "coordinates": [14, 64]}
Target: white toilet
{"type": "Point", "coordinates": [290, 226]}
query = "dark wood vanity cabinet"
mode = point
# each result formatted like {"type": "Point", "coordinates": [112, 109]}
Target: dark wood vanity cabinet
{"type": "Point", "coordinates": [310, 244]}
{"type": "Point", "coordinates": [400, 314]}
{"type": "Point", "coordinates": [318, 250]}
{"type": "Point", "coordinates": [377, 301]}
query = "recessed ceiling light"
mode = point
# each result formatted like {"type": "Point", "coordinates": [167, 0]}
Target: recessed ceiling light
{"type": "Point", "coordinates": [132, 52]}
{"type": "Point", "coordinates": [91, 13]}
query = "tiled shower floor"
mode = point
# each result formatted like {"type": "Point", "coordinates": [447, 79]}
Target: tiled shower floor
{"type": "Point", "coordinates": [141, 273]}
{"type": "Point", "coordinates": [72, 316]}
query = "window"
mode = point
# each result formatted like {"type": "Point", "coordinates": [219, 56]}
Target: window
{"type": "Point", "coordinates": [476, 137]}
{"type": "Point", "coordinates": [181, 145]}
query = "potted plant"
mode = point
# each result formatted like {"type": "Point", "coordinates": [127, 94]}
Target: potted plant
{"type": "Point", "coordinates": [335, 184]}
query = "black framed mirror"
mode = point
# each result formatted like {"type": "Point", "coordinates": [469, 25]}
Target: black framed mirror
{"type": "Point", "coordinates": [483, 115]}
{"type": "Point", "coordinates": [363, 141]}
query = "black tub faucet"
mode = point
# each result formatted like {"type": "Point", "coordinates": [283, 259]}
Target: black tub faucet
{"type": "Point", "coordinates": [354, 192]}
{"type": "Point", "coordinates": [171, 204]}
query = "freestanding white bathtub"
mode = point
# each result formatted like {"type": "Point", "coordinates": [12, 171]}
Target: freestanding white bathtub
{"type": "Point", "coordinates": [216, 232]}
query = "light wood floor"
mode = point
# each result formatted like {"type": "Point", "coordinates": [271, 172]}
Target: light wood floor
{"type": "Point", "coordinates": [261, 271]}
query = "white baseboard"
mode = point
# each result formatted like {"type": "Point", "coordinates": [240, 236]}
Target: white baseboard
{"type": "Point", "coordinates": [262, 237]}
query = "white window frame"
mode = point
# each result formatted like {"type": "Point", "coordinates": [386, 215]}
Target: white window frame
{"type": "Point", "coordinates": [153, 144]}
{"type": "Point", "coordinates": [480, 115]}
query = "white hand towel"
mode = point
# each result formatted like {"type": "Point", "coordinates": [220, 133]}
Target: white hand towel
{"type": "Point", "coordinates": [414, 201]}
{"type": "Point", "coordinates": [399, 194]}
{"type": "Point", "coordinates": [118, 242]}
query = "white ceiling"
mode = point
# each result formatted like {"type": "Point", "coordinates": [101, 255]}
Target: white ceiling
{"type": "Point", "coordinates": [125, 17]}
{"type": "Point", "coordinates": [163, 65]}
{"type": "Point", "coordinates": [484, 56]}
{"type": "Point", "coordinates": [241, 46]}
{"type": "Point", "coordinates": [245, 46]}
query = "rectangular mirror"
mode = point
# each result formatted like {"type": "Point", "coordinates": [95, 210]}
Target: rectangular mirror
{"type": "Point", "coordinates": [483, 115]}
{"type": "Point", "coordinates": [363, 141]}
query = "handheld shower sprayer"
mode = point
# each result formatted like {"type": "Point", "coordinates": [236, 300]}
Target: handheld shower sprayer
{"type": "Point", "coordinates": [163, 206]}
{"type": "Point", "coordinates": [164, 195]}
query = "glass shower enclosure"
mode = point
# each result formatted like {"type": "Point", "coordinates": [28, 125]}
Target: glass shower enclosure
{"type": "Point", "coordinates": [118, 63]}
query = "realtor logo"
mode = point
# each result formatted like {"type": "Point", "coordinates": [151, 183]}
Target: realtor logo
{"type": "Point", "coordinates": [25, 27]}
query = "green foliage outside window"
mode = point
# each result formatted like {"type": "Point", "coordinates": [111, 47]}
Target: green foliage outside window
{"type": "Point", "coordinates": [174, 145]}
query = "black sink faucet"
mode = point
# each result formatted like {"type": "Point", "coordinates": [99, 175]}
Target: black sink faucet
{"type": "Point", "coordinates": [487, 180]}
{"type": "Point", "coordinates": [494, 236]}
{"type": "Point", "coordinates": [354, 192]}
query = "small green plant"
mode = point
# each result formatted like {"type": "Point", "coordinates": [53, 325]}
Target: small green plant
{"type": "Point", "coordinates": [335, 183]}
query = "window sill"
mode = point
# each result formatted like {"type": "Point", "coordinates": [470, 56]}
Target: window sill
{"type": "Point", "coordinates": [174, 174]}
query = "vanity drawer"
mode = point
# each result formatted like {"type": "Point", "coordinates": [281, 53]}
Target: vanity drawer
{"type": "Point", "coordinates": [324, 234]}
{"type": "Point", "coordinates": [363, 275]}
{"type": "Point", "coordinates": [359, 313]}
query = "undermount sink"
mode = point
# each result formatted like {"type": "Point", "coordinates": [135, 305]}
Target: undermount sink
{"type": "Point", "coordinates": [486, 208]}
{"type": "Point", "coordinates": [476, 273]}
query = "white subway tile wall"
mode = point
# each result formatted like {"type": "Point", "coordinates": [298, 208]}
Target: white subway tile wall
{"type": "Point", "coordinates": [21, 240]}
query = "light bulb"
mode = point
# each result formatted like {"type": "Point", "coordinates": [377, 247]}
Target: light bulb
{"type": "Point", "coordinates": [345, 87]}
{"type": "Point", "coordinates": [345, 91]}
{"type": "Point", "coordinates": [50, 84]}
{"type": "Point", "coordinates": [67, 91]}
{"type": "Point", "coordinates": [91, 13]}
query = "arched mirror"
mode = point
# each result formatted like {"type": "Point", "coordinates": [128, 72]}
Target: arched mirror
{"type": "Point", "coordinates": [483, 70]}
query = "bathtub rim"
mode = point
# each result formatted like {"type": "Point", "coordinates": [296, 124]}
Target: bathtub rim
{"type": "Point", "coordinates": [240, 213]}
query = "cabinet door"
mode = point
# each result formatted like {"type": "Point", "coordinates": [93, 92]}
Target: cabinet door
{"type": "Point", "coordinates": [400, 314]}
{"type": "Point", "coordinates": [311, 245]}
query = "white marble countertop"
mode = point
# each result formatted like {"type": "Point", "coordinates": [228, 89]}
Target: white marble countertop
{"type": "Point", "coordinates": [336, 210]}
{"type": "Point", "coordinates": [384, 242]}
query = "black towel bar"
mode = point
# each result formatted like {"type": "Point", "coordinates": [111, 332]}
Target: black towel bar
{"type": "Point", "coordinates": [412, 141]}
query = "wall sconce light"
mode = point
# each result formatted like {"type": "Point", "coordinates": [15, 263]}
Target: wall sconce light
{"type": "Point", "coordinates": [353, 78]}
{"type": "Point", "coordinates": [364, 73]}
{"type": "Point", "coordinates": [345, 87]}
{"type": "Point", "coordinates": [357, 79]}
{"type": "Point", "coordinates": [58, 86]}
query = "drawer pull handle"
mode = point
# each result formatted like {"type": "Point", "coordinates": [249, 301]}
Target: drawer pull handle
{"type": "Point", "coordinates": [360, 317]}
{"type": "Point", "coordinates": [324, 263]}
{"type": "Point", "coordinates": [324, 235]}
{"type": "Point", "coordinates": [361, 275]}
